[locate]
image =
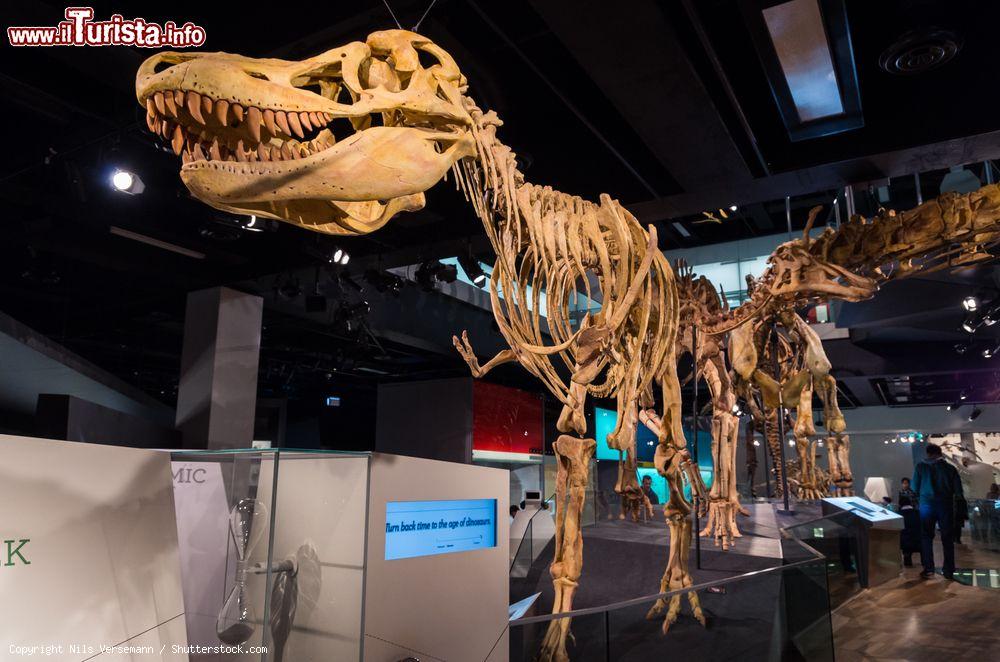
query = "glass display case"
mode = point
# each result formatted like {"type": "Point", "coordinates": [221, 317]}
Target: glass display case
{"type": "Point", "coordinates": [272, 548]}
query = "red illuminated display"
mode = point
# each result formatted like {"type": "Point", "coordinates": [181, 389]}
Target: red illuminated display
{"type": "Point", "coordinates": [505, 419]}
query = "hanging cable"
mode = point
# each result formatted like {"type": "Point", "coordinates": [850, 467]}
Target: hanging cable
{"type": "Point", "coordinates": [416, 28]}
{"type": "Point", "coordinates": [392, 13]}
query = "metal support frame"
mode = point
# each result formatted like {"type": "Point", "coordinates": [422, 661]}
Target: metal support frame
{"type": "Point", "coordinates": [694, 444]}
{"type": "Point", "coordinates": [781, 423]}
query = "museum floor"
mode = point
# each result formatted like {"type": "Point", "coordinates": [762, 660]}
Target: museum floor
{"type": "Point", "coordinates": [914, 619]}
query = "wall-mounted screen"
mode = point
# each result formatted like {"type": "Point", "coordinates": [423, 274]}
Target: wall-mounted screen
{"type": "Point", "coordinates": [423, 528]}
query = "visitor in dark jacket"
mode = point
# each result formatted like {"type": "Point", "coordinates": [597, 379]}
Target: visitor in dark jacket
{"type": "Point", "coordinates": [937, 485]}
{"type": "Point", "coordinates": [909, 539]}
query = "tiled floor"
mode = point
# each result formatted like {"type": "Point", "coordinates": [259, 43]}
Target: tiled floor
{"type": "Point", "coordinates": [914, 619]}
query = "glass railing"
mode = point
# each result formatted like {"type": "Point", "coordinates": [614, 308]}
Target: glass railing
{"type": "Point", "coordinates": [836, 539]}
{"type": "Point", "coordinates": [984, 523]}
{"type": "Point", "coordinates": [781, 612]}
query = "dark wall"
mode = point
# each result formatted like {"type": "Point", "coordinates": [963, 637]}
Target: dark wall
{"type": "Point", "coordinates": [431, 419]}
{"type": "Point", "coordinates": [71, 418]}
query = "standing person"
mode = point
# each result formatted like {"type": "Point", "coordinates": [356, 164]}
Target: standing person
{"type": "Point", "coordinates": [906, 491]}
{"type": "Point", "coordinates": [937, 484]}
{"type": "Point", "coordinates": [909, 539]}
{"type": "Point", "coordinates": [647, 488]}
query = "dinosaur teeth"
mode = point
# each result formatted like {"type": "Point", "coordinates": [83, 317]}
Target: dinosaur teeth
{"type": "Point", "coordinates": [269, 122]}
{"type": "Point", "coordinates": [238, 112]}
{"type": "Point", "coordinates": [254, 119]}
{"type": "Point", "coordinates": [306, 121]}
{"type": "Point", "coordinates": [293, 119]}
{"type": "Point", "coordinates": [221, 111]}
{"type": "Point", "coordinates": [214, 151]}
{"type": "Point", "coordinates": [158, 102]}
{"type": "Point", "coordinates": [168, 100]}
{"type": "Point", "coordinates": [207, 105]}
{"type": "Point", "coordinates": [282, 121]}
{"type": "Point", "coordinates": [177, 141]}
{"type": "Point", "coordinates": [194, 106]}
{"type": "Point", "coordinates": [198, 154]}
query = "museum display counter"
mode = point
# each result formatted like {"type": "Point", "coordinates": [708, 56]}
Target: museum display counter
{"type": "Point", "coordinates": [308, 555]}
{"type": "Point", "coordinates": [877, 532]}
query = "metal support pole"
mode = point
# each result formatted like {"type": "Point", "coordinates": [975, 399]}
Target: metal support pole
{"type": "Point", "coordinates": [849, 201]}
{"type": "Point", "coordinates": [781, 423]}
{"type": "Point", "coordinates": [767, 457]}
{"type": "Point", "coordinates": [916, 184]}
{"type": "Point", "coordinates": [788, 215]}
{"type": "Point", "coordinates": [836, 210]}
{"type": "Point", "coordinates": [987, 172]}
{"type": "Point", "coordinates": [694, 445]}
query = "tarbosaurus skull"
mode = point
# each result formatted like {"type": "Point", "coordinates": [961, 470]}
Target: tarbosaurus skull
{"type": "Point", "coordinates": [336, 143]}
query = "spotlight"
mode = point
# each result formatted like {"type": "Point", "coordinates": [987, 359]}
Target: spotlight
{"type": "Point", "coordinates": [970, 303]}
{"type": "Point", "coordinates": [338, 256]}
{"type": "Point", "coordinates": [961, 348]}
{"type": "Point", "coordinates": [970, 324]}
{"type": "Point", "coordinates": [974, 414]}
{"type": "Point", "coordinates": [733, 207]}
{"type": "Point", "coordinates": [953, 406]}
{"type": "Point", "coordinates": [254, 224]}
{"type": "Point", "coordinates": [756, 442]}
{"type": "Point", "coordinates": [433, 270]}
{"type": "Point", "coordinates": [988, 353]}
{"type": "Point", "coordinates": [124, 181]}
{"type": "Point", "coordinates": [992, 316]}
{"type": "Point", "coordinates": [886, 441]}
{"type": "Point", "coordinates": [962, 396]}
{"type": "Point", "coordinates": [470, 266]}
{"type": "Point", "coordinates": [738, 407]}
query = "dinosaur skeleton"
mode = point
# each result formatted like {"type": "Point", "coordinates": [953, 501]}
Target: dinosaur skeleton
{"type": "Point", "coordinates": [699, 300]}
{"type": "Point", "coordinates": [849, 263]}
{"type": "Point", "coordinates": [341, 142]}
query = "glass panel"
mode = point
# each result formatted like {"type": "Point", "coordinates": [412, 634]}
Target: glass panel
{"type": "Point", "coordinates": [272, 551]}
{"type": "Point", "coordinates": [984, 523]}
{"type": "Point", "coordinates": [588, 641]}
{"type": "Point", "coordinates": [835, 539]}
{"type": "Point", "coordinates": [319, 527]}
{"type": "Point", "coordinates": [783, 614]}
{"type": "Point", "coordinates": [223, 505]}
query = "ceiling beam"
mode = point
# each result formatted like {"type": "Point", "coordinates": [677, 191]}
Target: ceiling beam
{"type": "Point", "coordinates": [899, 163]}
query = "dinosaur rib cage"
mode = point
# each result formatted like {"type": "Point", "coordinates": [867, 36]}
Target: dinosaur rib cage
{"type": "Point", "coordinates": [563, 247]}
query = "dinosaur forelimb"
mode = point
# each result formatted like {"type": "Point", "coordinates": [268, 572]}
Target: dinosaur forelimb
{"type": "Point", "coordinates": [464, 348]}
{"type": "Point", "coordinates": [838, 452]}
{"type": "Point", "coordinates": [723, 499]}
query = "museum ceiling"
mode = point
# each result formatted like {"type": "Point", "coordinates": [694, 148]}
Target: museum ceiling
{"type": "Point", "coordinates": [667, 106]}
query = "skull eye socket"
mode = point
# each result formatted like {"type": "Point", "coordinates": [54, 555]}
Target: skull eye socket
{"type": "Point", "coordinates": [257, 74]}
{"type": "Point", "coordinates": [162, 66]}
